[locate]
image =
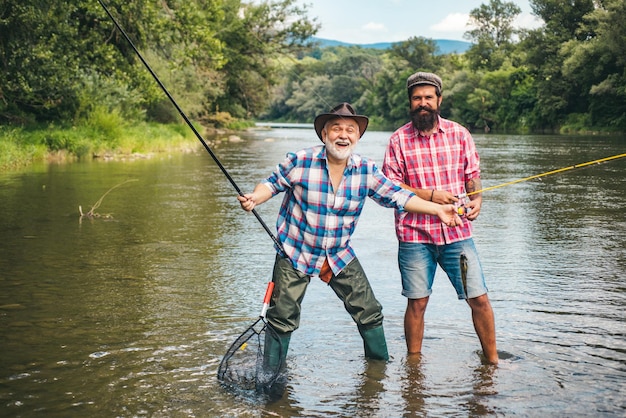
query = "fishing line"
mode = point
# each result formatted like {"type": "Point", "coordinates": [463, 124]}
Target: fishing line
{"type": "Point", "coordinates": [193, 128]}
{"type": "Point", "coordinates": [547, 173]}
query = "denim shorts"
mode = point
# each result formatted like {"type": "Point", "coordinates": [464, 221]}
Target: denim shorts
{"type": "Point", "coordinates": [418, 263]}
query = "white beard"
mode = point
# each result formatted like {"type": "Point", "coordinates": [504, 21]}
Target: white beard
{"type": "Point", "coordinates": [338, 153]}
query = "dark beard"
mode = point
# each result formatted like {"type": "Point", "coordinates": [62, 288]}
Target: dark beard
{"type": "Point", "coordinates": [424, 123]}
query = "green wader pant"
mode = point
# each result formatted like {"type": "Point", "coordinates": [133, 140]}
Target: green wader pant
{"type": "Point", "coordinates": [351, 286]}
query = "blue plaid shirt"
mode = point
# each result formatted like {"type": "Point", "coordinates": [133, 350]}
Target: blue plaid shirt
{"type": "Point", "coordinates": [316, 222]}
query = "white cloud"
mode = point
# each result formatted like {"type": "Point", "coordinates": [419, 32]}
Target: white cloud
{"type": "Point", "coordinates": [374, 27]}
{"type": "Point", "coordinates": [527, 21]}
{"type": "Point", "coordinates": [454, 22]}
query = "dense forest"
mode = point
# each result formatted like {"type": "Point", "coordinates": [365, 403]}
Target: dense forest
{"type": "Point", "coordinates": [225, 61]}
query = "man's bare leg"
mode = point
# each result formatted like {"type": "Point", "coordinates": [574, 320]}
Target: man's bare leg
{"type": "Point", "coordinates": [484, 324]}
{"type": "Point", "coordinates": [414, 324]}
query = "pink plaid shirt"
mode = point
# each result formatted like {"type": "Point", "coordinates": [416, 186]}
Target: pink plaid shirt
{"type": "Point", "coordinates": [444, 161]}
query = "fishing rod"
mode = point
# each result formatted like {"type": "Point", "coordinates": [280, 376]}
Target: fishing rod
{"type": "Point", "coordinates": [547, 173]}
{"type": "Point", "coordinates": [188, 122]}
{"type": "Point", "coordinates": [462, 209]}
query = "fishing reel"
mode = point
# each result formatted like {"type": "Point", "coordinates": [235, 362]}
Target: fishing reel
{"type": "Point", "coordinates": [461, 208]}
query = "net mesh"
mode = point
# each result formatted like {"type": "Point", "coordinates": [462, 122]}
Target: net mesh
{"type": "Point", "coordinates": [244, 366]}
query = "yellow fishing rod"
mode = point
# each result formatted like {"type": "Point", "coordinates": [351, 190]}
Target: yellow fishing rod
{"type": "Point", "coordinates": [547, 173]}
{"type": "Point", "coordinates": [462, 210]}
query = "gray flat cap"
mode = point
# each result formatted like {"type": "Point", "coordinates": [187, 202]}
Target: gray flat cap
{"type": "Point", "coordinates": [424, 78]}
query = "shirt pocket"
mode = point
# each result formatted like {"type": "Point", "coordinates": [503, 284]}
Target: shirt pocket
{"type": "Point", "coordinates": [348, 205]}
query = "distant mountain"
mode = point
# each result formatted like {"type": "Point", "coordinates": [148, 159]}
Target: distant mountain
{"type": "Point", "coordinates": [445, 46]}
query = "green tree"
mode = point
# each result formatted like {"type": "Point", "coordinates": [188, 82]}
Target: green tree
{"type": "Point", "coordinates": [255, 36]}
{"type": "Point", "coordinates": [53, 52]}
{"type": "Point", "coordinates": [492, 33]}
{"type": "Point", "coordinates": [385, 100]}
{"type": "Point", "coordinates": [385, 97]}
{"type": "Point", "coordinates": [61, 60]}
{"type": "Point", "coordinates": [598, 63]}
{"type": "Point", "coordinates": [187, 55]}
{"type": "Point", "coordinates": [40, 55]}
{"type": "Point", "coordinates": [420, 53]}
{"type": "Point", "coordinates": [314, 85]}
{"type": "Point", "coordinates": [557, 96]}
{"type": "Point", "coordinates": [456, 105]}
{"type": "Point", "coordinates": [309, 98]}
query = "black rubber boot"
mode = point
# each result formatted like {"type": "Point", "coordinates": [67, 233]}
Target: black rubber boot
{"type": "Point", "coordinates": [274, 355]}
{"type": "Point", "coordinates": [374, 343]}
{"type": "Point", "coordinates": [275, 350]}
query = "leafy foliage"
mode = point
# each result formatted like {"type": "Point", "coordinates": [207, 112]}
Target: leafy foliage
{"type": "Point", "coordinates": [61, 60]}
{"type": "Point", "coordinates": [569, 74]}
{"type": "Point", "coordinates": [231, 61]}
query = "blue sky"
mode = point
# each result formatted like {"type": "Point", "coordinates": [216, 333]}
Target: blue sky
{"type": "Point", "coordinates": [371, 21]}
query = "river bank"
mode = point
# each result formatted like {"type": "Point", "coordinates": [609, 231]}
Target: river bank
{"type": "Point", "coordinates": [112, 138]}
{"type": "Point", "coordinates": [21, 147]}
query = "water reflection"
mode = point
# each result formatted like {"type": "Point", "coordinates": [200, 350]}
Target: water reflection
{"type": "Point", "coordinates": [413, 387]}
{"type": "Point", "coordinates": [369, 391]}
{"type": "Point", "coordinates": [484, 388]}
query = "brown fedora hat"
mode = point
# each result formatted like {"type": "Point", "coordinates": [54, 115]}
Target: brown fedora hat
{"type": "Point", "coordinates": [343, 110]}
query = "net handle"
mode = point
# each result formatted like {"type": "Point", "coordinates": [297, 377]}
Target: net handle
{"type": "Point", "coordinates": [267, 298]}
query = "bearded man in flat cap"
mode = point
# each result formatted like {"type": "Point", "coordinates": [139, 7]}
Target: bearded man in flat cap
{"type": "Point", "coordinates": [436, 159]}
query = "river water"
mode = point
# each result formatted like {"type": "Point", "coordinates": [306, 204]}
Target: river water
{"type": "Point", "coordinates": [129, 314]}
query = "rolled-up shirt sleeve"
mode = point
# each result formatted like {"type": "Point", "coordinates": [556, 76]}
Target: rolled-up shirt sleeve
{"type": "Point", "coordinates": [387, 193]}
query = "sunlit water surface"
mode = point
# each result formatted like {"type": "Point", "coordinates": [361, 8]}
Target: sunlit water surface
{"type": "Point", "coordinates": [129, 314]}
